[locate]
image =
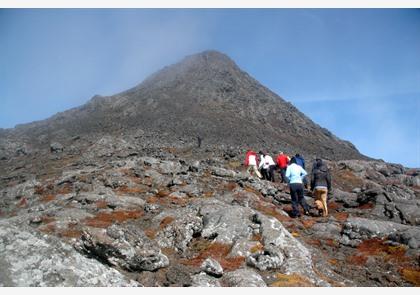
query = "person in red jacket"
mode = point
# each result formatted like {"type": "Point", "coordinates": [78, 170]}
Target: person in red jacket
{"type": "Point", "coordinates": [251, 161]}
{"type": "Point", "coordinates": [282, 162]}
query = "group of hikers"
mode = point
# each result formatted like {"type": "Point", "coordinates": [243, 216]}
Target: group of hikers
{"type": "Point", "coordinates": [292, 171]}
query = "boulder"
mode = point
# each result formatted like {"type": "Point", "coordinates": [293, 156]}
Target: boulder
{"type": "Point", "coordinates": [182, 225]}
{"type": "Point", "coordinates": [212, 267]}
{"type": "Point", "coordinates": [56, 147]}
{"type": "Point", "coordinates": [243, 278]}
{"type": "Point", "coordinates": [29, 259]}
{"type": "Point", "coordinates": [226, 224]}
{"type": "Point", "coordinates": [363, 228]}
{"type": "Point", "coordinates": [410, 237]}
{"type": "Point", "coordinates": [127, 247]}
{"type": "Point", "coordinates": [267, 259]}
{"type": "Point", "coordinates": [204, 280]}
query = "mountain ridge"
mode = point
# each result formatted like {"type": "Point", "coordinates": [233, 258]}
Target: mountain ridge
{"type": "Point", "coordinates": [204, 94]}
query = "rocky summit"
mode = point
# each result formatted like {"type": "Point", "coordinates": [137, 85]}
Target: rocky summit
{"type": "Point", "coordinates": [118, 192]}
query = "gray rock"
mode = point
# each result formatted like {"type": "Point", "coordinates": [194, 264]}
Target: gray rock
{"type": "Point", "coordinates": [270, 258]}
{"type": "Point", "coordinates": [226, 224]}
{"type": "Point", "coordinates": [297, 257]}
{"type": "Point", "coordinates": [56, 147]}
{"type": "Point", "coordinates": [410, 212]}
{"type": "Point", "coordinates": [126, 247]}
{"type": "Point", "coordinates": [242, 247]}
{"type": "Point", "coordinates": [217, 171]}
{"type": "Point", "coordinates": [180, 231]}
{"type": "Point", "coordinates": [348, 199]}
{"type": "Point", "coordinates": [243, 278]}
{"type": "Point", "coordinates": [363, 228]}
{"type": "Point", "coordinates": [204, 280]}
{"type": "Point", "coordinates": [212, 267]}
{"type": "Point", "coordinates": [327, 230]}
{"type": "Point", "coordinates": [410, 237]}
{"type": "Point", "coordinates": [179, 275]}
{"type": "Point", "coordinates": [30, 259]}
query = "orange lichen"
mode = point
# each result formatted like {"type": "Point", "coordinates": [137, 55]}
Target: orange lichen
{"type": "Point", "coordinates": [163, 193]}
{"type": "Point", "coordinates": [105, 219]}
{"type": "Point", "coordinates": [230, 186]}
{"type": "Point", "coordinates": [66, 189]}
{"type": "Point", "coordinates": [150, 233]}
{"type": "Point", "coordinates": [366, 206]}
{"type": "Point", "coordinates": [130, 190]}
{"type": "Point", "coordinates": [152, 200]}
{"type": "Point", "coordinates": [357, 259]}
{"type": "Point", "coordinates": [308, 223]}
{"type": "Point", "coordinates": [39, 190]}
{"type": "Point", "coordinates": [314, 242]}
{"type": "Point", "coordinates": [47, 198]}
{"type": "Point", "coordinates": [372, 247]}
{"type": "Point", "coordinates": [256, 237]}
{"type": "Point", "coordinates": [47, 219]}
{"type": "Point", "coordinates": [341, 216]}
{"type": "Point", "coordinates": [333, 261]}
{"type": "Point", "coordinates": [101, 204]}
{"type": "Point", "coordinates": [412, 275]}
{"type": "Point", "coordinates": [251, 190]}
{"type": "Point", "coordinates": [271, 211]}
{"type": "Point", "coordinates": [292, 280]}
{"type": "Point", "coordinates": [331, 242]}
{"type": "Point", "coordinates": [208, 194]}
{"type": "Point", "coordinates": [48, 228]}
{"type": "Point", "coordinates": [257, 248]}
{"type": "Point", "coordinates": [166, 221]}
{"type": "Point", "coordinates": [217, 251]}
{"type": "Point", "coordinates": [333, 205]}
{"type": "Point", "coordinates": [70, 233]}
{"type": "Point", "coordinates": [23, 202]}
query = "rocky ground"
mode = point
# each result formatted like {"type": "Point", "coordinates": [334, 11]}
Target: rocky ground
{"type": "Point", "coordinates": [110, 212]}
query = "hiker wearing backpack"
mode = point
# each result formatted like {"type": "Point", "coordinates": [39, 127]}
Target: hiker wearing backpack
{"type": "Point", "coordinates": [251, 161]}
{"type": "Point", "coordinates": [301, 162]}
{"type": "Point", "coordinates": [294, 175]}
{"type": "Point", "coordinates": [267, 167]}
{"type": "Point", "coordinates": [282, 162]}
{"type": "Point", "coordinates": [321, 185]}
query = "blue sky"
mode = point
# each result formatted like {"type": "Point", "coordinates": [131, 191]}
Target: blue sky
{"type": "Point", "coordinates": [353, 71]}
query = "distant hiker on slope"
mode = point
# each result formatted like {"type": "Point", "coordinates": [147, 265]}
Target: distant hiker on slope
{"type": "Point", "coordinates": [199, 139]}
{"type": "Point", "coordinates": [282, 162]}
{"type": "Point", "coordinates": [294, 174]}
{"type": "Point", "coordinates": [321, 185]}
{"type": "Point", "coordinates": [251, 162]}
{"type": "Point", "coordinates": [267, 167]}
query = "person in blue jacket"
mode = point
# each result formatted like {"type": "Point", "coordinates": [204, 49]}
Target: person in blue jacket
{"type": "Point", "coordinates": [295, 174]}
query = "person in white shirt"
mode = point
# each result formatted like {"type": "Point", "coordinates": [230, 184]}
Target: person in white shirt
{"type": "Point", "coordinates": [295, 175]}
{"type": "Point", "coordinates": [252, 163]}
{"type": "Point", "coordinates": [267, 167]}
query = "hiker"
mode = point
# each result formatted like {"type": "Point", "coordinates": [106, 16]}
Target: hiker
{"type": "Point", "coordinates": [282, 162]}
{"type": "Point", "coordinates": [301, 162]}
{"type": "Point", "coordinates": [321, 185]}
{"type": "Point", "coordinates": [251, 162]}
{"type": "Point", "coordinates": [199, 139]}
{"type": "Point", "coordinates": [267, 166]}
{"type": "Point", "coordinates": [294, 175]}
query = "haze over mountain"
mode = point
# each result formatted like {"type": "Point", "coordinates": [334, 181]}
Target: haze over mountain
{"type": "Point", "coordinates": [204, 95]}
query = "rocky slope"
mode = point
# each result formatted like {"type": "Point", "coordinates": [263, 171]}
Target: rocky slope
{"type": "Point", "coordinates": [89, 198]}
